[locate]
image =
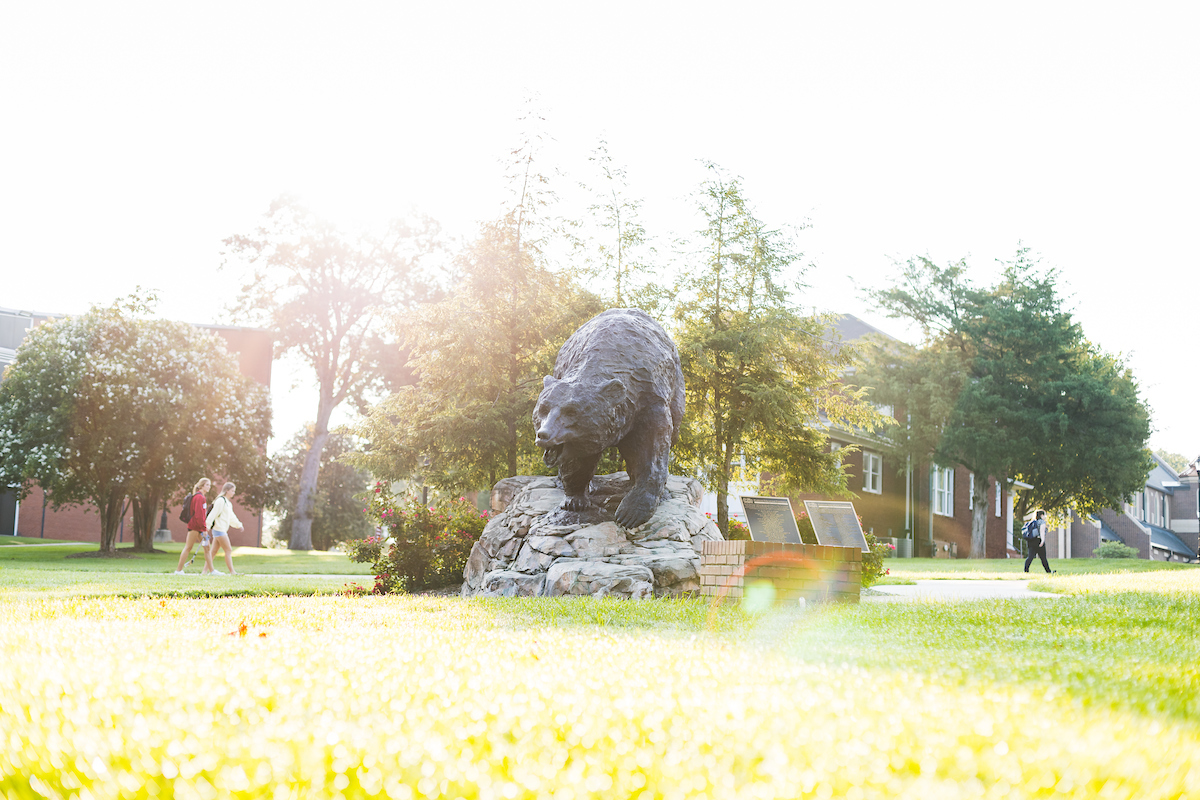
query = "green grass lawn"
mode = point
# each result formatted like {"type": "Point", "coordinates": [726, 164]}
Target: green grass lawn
{"type": "Point", "coordinates": [252, 560]}
{"type": "Point", "coordinates": [907, 570]}
{"type": "Point", "coordinates": [26, 540]}
{"type": "Point", "coordinates": [1089, 695]}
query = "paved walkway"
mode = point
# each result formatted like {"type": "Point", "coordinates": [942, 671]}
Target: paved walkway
{"type": "Point", "coordinates": [957, 590]}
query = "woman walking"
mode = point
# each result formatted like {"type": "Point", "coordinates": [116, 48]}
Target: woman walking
{"type": "Point", "coordinates": [219, 520]}
{"type": "Point", "coordinates": [197, 528]}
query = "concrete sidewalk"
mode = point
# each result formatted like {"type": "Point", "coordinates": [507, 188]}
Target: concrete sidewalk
{"type": "Point", "coordinates": [950, 590]}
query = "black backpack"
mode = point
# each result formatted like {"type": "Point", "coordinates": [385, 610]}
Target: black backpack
{"type": "Point", "coordinates": [1031, 530]}
{"type": "Point", "coordinates": [185, 513]}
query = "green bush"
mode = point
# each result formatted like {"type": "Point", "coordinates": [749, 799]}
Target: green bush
{"type": "Point", "coordinates": [1115, 550]}
{"type": "Point", "coordinates": [422, 546]}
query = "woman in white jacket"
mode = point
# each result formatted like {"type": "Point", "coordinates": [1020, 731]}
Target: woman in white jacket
{"type": "Point", "coordinates": [219, 521]}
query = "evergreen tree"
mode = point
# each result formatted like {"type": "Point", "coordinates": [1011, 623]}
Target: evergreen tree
{"type": "Point", "coordinates": [1022, 392]}
{"type": "Point", "coordinates": [759, 375]}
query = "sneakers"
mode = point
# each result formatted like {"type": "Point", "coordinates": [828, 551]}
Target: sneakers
{"type": "Point", "coordinates": [216, 572]}
{"type": "Point", "coordinates": [179, 572]}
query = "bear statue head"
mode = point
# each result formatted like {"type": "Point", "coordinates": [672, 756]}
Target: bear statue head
{"type": "Point", "coordinates": [581, 418]}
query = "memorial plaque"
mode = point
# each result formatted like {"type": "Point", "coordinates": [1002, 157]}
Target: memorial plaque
{"type": "Point", "coordinates": [836, 524]}
{"type": "Point", "coordinates": [771, 519]}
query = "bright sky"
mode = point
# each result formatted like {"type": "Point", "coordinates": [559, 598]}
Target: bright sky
{"type": "Point", "coordinates": [136, 136]}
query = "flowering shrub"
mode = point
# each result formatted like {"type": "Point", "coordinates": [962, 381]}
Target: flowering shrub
{"type": "Point", "coordinates": [889, 550]}
{"type": "Point", "coordinates": [738, 531]}
{"type": "Point", "coordinates": [420, 546]}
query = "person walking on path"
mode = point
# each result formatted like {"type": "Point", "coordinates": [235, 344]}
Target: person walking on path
{"type": "Point", "coordinates": [219, 520]}
{"type": "Point", "coordinates": [1035, 537]}
{"type": "Point", "coordinates": [197, 528]}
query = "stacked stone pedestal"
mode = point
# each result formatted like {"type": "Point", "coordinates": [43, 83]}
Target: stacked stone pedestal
{"type": "Point", "coordinates": [533, 549]}
{"type": "Point", "coordinates": [809, 571]}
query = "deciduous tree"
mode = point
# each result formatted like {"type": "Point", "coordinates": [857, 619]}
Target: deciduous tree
{"type": "Point", "coordinates": [110, 405]}
{"type": "Point", "coordinates": [338, 514]}
{"type": "Point", "coordinates": [326, 296]}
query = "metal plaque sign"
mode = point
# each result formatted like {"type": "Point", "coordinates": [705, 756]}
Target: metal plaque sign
{"type": "Point", "coordinates": [836, 524]}
{"type": "Point", "coordinates": [770, 519]}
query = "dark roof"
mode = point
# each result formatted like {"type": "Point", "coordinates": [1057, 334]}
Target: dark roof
{"type": "Point", "coordinates": [1107, 534]}
{"type": "Point", "coordinates": [1163, 539]}
{"type": "Point", "coordinates": [850, 327]}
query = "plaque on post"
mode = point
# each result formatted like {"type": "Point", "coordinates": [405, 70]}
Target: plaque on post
{"type": "Point", "coordinates": [836, 524]}
{"type": "Point", "coordinates": [771, 519]}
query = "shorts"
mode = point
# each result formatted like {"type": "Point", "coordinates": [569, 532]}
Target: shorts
{"type": "Point", "coordinates": [220, 533]}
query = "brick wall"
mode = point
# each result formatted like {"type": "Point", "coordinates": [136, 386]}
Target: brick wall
{"type": "Point", "coordinates": [810, 571]}
{"type": "Point", "coordinates": [1085, 537]}
{"type": "Point", "coordinates": [82, 523]}
{"type": "Point", "coordinates": [1125, 527]}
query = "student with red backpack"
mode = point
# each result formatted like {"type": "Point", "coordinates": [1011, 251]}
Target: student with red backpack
{"type": "Point", "coordinates": [195, 513]}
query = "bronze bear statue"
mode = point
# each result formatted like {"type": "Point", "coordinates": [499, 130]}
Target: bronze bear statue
{"type": "Point", "coordinates": [617, 380]}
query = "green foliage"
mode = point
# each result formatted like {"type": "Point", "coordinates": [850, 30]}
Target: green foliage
{"type": "Point", "coordinates": [1174, 460]}
{"type": "Point", "coordinates": [738, 530]}
{"type": "Point", "coordinates": [758, 374]}
{"type": "Point", "coordinates": [110, 405]}
{"type": "Point", "coordinates": [336, 511]}
{"type": "Point", "coordinates": [1008, 386]}
{"type": "Point", "coordinates": [423, 546]}
{"type": "Point", "coordinates": [1115, 550]}
{"type": "Point", "coordinates": [480, 355]}
{"type": "Point", "coordinates": [872, 562]}
{"type": "Point", "coordinates": [614, 247]}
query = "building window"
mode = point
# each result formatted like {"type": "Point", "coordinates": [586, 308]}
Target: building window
{"type": "Point", "coordinates": [943, 491]}
{"type": "Point", "coordinates": [971, 491]}
{"type": "Point", "coordinates": [998, 498]}
{"type": "Point", "coordinates": [872, 473]}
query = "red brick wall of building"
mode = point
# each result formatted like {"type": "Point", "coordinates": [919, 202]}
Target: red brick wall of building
{"type": "Point", "coordinates": [82, 523]}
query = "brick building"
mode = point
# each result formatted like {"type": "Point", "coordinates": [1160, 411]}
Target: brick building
{"type": "Point", "coordinates": [34, 517]}
{"type": "Point", "coordinates": [1161, 521]}
{"type": "Point", "coordinates": [923, 509]}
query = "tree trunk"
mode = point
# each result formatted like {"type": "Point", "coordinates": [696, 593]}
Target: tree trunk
{"type": "Point", "coordinates": [145, 509]}
{"type": "Point", "coordinates": [979, 517]}
{"type": "Point", "coordinates": [112, 508]}
{"type": "Point", "coordinates": [302, 519]}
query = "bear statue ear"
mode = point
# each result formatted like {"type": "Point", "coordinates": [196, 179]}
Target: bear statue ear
{"type": "Point", "coordinates": [548, 381]}
{"type": "Point", "coordinates": [613, 391]}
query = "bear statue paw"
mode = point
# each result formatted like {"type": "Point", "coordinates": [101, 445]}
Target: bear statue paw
{"type": "Point", "coordinates": [575, 502]}
{"type": "Point", "coordinates": [635, 509]}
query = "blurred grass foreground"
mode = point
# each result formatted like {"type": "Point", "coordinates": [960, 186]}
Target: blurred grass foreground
{"type": "Point", "coordinates": [1089, 695]}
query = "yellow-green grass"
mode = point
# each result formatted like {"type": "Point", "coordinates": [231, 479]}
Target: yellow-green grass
{"type": "Point", "coordinates": [17, 583]}
{"type": "Point", "coordinates": [907, 570]}
{"type": "Point", "coordinates": [1090, 695]}
{"type": "Point", "coordinates": [256, 560]}
{"type": "Point", "coordinates": [27, 540]}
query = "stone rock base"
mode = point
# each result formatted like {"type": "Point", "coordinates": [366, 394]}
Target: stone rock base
{"type": "Point", "coordinates": [162, 535]}
{"type": "Point", "coordinates": [531, 548]}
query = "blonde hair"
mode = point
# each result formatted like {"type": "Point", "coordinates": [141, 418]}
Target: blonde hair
{"type": "Point", "coordinates": [200, 483]}
{"type": "Point", "coordinates": [227, 487]}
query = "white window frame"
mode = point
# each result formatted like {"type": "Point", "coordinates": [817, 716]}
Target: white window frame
{"type": "Point", "coordinates": [998, 496]}
{"type": "Point", "coordinates": [942, 489]}
{"type": "Point", "coordinates": [872, 472]}
{"type": "Point", "coordinates": [971, 492]}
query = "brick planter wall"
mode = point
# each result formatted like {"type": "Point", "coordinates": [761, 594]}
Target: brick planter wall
{"type": "Point", "coordinates": [811, 571]}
